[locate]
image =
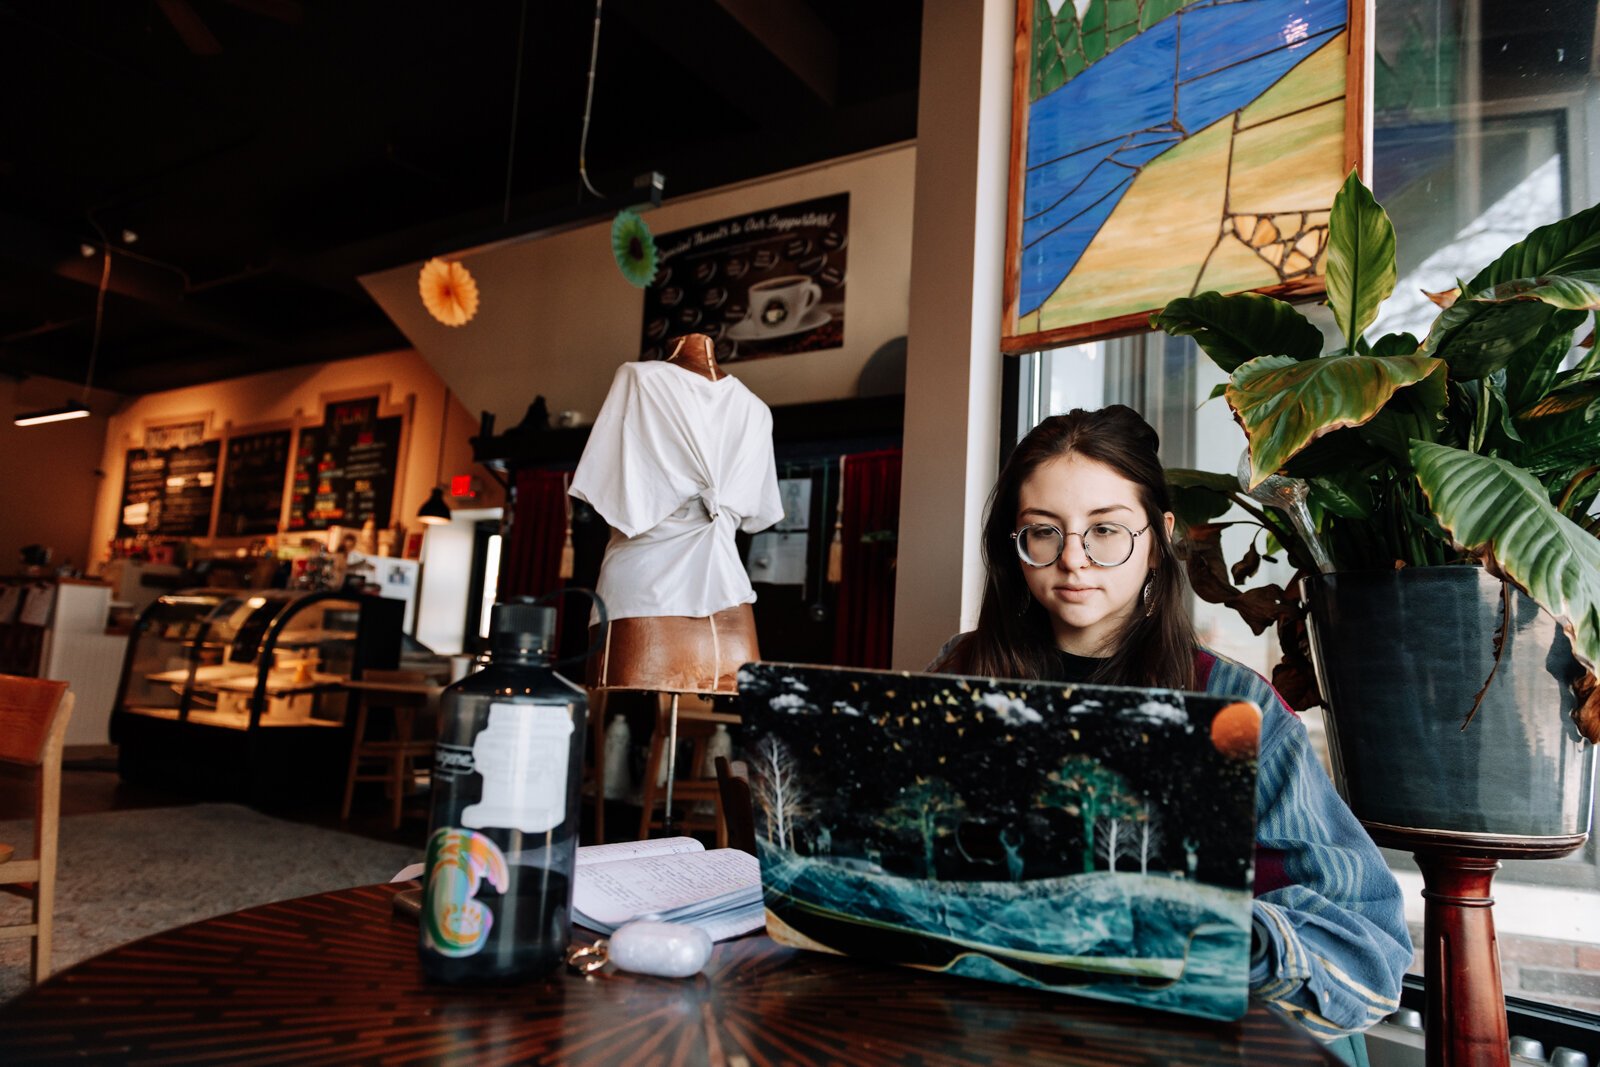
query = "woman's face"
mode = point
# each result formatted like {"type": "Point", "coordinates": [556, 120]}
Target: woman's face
{"type": "Point", "coordinates": [1087, 604]}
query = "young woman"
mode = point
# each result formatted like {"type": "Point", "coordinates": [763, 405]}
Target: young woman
{"type": "Point", "coordinates": [1084, 586]}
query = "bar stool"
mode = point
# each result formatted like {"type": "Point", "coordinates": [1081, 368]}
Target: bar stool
{"type": "Point", "coordinates": [414, 704]}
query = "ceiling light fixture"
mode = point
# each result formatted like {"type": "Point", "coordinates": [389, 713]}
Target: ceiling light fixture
{"type": "Point", "coordinates": [80, 409]}
{"type": "Point", "coordinates": [435, 512]}
{"type": "Point", "coordinates": [60, 414]}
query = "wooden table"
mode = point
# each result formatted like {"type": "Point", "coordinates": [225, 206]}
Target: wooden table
{"type": "Point", "coordinates": [334, 979]}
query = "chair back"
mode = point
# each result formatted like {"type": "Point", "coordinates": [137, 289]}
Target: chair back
{"type": "Point", "coordinates": [733, 783]}
{"type": "Point", "coordinates": [31, 711]}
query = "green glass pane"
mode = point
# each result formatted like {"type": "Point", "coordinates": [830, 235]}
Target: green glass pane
{"type": "Point", "coordinates": [1094, 43]}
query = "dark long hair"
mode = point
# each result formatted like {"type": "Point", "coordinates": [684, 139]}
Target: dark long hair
{"type": "Point", "coordinates": [1014, 638]}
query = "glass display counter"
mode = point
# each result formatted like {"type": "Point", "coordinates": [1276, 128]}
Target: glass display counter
{"type": "Point", "coordinates": [242, 693]}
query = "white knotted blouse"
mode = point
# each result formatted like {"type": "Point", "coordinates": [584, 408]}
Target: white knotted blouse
{"type": "Point", "coordinates": [677, 463]}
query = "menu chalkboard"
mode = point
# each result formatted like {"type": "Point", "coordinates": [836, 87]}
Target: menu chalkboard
{"type": "Point", "coordinates": [252, 484]}
{"type": "Point", "coordinates": [345, 471]}
{"type": "Point", "coordinates": [168, 492]}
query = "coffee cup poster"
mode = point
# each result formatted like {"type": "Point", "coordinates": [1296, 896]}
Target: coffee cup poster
{"type": "Point", "coordinates": [766, 283]}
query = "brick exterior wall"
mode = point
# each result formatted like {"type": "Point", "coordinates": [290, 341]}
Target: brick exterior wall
{"type": "Point", "coordinates": [1536, 968]}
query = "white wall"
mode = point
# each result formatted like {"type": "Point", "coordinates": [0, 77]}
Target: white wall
{"type": "Point", "coordinates": [556, 316]}
{"type": "Point", "coordinates": [446, 579]}
{"type": "Point", "coordinates": [49, 474]}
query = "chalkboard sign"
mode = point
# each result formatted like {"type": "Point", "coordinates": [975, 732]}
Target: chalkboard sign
{"type": "Point", "coordinates": [168, 492]}
{"type": "Point", "coordinates": [252, 484]}
{"type": "Point", "coordinates": [345, 471]}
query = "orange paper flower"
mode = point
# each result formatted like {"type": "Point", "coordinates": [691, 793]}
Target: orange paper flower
{"type": "Point", "coordinates": [448, 292]}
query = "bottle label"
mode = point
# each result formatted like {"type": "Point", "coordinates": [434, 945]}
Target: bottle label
{"type": "Point", "coordinates": [452, 760]}
{"type": "Point", "coordinates": [522, 756]}
{"type": "Point", "coordinates": [459, 862]}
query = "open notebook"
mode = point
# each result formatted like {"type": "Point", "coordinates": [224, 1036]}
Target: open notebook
{"type": "Point", "coordinates": [1091, 840]}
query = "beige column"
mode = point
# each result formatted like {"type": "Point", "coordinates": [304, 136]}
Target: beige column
{"type": "Point", "coordinates": [953, 356]}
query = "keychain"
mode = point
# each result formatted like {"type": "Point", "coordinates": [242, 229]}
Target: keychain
{"type": "Point", "coordinates": [667, 950]}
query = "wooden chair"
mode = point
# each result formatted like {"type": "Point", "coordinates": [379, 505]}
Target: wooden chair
{"type": "Point", "coordinates": [738, 809]}
{"type": "Point", "coordinates": [33, 721]}
{"type": "Point", "coordinates": [697, 722]}
{"type": "Point", "coordinates": [415, 727]}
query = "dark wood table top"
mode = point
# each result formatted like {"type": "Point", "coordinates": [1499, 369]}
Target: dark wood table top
{"type": "Point", "coordinates": [334, 978]}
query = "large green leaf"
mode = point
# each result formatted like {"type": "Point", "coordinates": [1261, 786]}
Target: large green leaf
{"type": "Point", "coordinates": [1561, 431]}
{"type": "Point", "coordinates": [1360, 267]}
{"type": "Point", "coordinates": [1236, 329]}
{"type": "Point", "coordinates": [1500, 512]}
{"type": "Point", "coordinates": [1533, 370]}
{"type": "Point", "coordinates": [1478, 338]}
{"type": "Point", "coordinates": [1285, 405]}
{"type": "Point", "coordinates": [1573, 244]}
{"type": "Point", "coordinates": [1199, 496]}
{"type": "Point", "coordinates": [1395, 344]}
{"type": "Point", "coordinates": [1577, 291]}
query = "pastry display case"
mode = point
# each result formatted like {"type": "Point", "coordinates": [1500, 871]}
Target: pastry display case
{"type": "Point", "coordinates": [242, 693]}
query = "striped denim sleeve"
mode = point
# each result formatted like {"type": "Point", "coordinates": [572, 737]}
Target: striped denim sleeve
{"type": "Point", "coordinates": [1334, 943]}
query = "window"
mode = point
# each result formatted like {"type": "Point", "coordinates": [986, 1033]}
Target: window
{"type": "Point", "coordinates": [1486, 124]}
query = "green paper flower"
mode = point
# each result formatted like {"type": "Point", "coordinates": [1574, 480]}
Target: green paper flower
{"type": "Point", "coordinates": [634, 248]}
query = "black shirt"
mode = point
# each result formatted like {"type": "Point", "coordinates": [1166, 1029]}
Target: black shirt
{"type": "Point", "coordinates": [1077, 668]}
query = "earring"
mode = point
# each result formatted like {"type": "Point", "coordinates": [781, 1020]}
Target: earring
{"type": "Point", "coordinates": [1027, 600]}
{"type": "Point", "coordinates": [1149, 595]}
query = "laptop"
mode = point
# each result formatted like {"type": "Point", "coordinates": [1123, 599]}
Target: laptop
{"type": "Point", "coordinates": [1092, 840]}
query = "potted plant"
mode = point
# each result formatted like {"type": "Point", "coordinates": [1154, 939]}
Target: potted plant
{"type": "Point", "coordinates": [1452, 482]}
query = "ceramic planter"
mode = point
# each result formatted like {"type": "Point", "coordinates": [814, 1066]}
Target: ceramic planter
{"type": "Point", "coordinates": [1400, 656]}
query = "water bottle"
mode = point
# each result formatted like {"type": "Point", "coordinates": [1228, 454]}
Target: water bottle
{"type": "Point", "coordinates": [497, 884]}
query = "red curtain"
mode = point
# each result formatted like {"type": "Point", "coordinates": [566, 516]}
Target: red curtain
{"type": "Point", "coordinates": [531, 560]}
{"type": "Point", "coordinates": [871, 521]}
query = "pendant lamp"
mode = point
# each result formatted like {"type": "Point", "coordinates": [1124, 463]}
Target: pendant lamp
{"type": "Point", "coordinates": [434, 512]}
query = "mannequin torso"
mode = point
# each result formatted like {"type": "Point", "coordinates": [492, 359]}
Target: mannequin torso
{"type": "Point", "coordinates": [697, 353]}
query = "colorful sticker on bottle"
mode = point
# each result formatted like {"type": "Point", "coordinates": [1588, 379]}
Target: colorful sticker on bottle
{"type": "Point", "coordinates": [522, 755]}
{"type": "Point", "coordinates": [459, 861]}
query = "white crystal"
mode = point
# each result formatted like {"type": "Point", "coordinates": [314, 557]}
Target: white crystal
{"type": "Point", "coordinates": [670, 950]}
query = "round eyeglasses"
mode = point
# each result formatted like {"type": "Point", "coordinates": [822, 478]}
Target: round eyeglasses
{"type": "Point", "coordinates": [1106, 544]}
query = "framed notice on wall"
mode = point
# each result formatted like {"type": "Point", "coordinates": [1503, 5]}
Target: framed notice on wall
{"type": "Point", "coordinates": [769, 283]}
{"type": "Point", "coordinates": [344, 470]}
{"type": "Point", "coordinates": [168, 492]}
{"type": "Point", "coordinates": [253, 479]}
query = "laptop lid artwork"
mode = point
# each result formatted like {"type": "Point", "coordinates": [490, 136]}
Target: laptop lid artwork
{"type": "Point", "coordinates": [1085, 839]}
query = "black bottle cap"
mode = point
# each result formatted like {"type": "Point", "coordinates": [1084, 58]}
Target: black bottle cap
{"type": "Point", "coordinates": [521, 625]}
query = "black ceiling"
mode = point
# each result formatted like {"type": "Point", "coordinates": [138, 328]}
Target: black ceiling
{"type": "Point", "coordinates": [266, 152]}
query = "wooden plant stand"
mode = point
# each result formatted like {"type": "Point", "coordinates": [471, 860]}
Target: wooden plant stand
{"type": "Point", "coordinates": [1465, 1014]}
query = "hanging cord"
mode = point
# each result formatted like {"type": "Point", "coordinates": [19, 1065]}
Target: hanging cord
{"type": "Point", "coordinates": [588, 106]}
{"type": "Point", "coordinates": [600, 627]}
{"type": "Point", "coordinates": [99, 309]}
{"type": "Point", "coordinates": [516, 100]}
